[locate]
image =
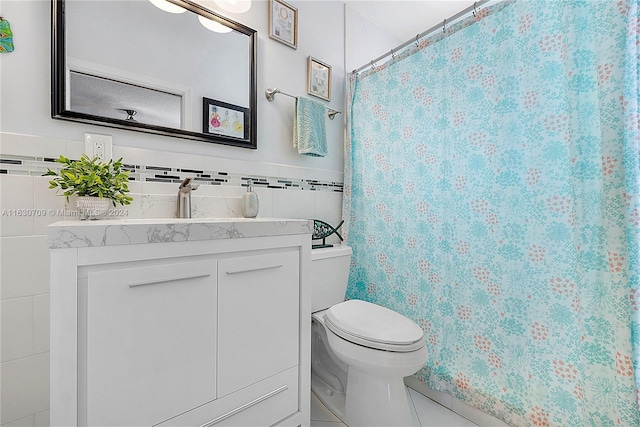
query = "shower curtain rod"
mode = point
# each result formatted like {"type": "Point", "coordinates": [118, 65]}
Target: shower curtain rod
{"type": "Point", "coordinates": [474, 8]}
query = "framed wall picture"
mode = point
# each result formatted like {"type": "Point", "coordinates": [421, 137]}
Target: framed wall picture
{"type": "Point", "coordinates": [319, 79]}
{"type": "Point", "coordinates": [220, 118]}
{"type": "Point", "coordinates": [283, 23]}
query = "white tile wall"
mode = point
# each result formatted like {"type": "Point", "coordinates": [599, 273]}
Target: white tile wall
{"type": "Point", "coordinates": [301, 206]}
{"type": "Point", "coordinates": [45, 198]}
{"type": "Point", "coordinates": [41, 323]}
{"type": "Point", "coordinates": [155, 206]}
{"type": "Point", "coordinates": [17, 193]}
{"type": "Point", "coordinates": [218, 164]}
{"type": "Point", "coordinates": [215, 207]}
{"type": "Point", "coordinates": [325, 203]}
{"type": "Point", "coordinates": [25, 387]}
{"type": "Point", "coordinates": [74, 149]}
{"type": "Point", "coordinates": [323, 211]}
{"type": "Point", "coordinates": [267, 169]}
{"type": "Point", "coordinates": [24, 266]}
{"type": "Point", "coordinates": [132, 155]}
{"type": "Point", "coordinates": [17, 328]}
{"type": "Point", "coordinates": [27, 145]}
{"type": "Point", "coordinates": [265, 198]}
{"type": "Point", "coordinates": [23, 422]}
{"type": "Point", "coordinates": [24, 256]}
{"type": "Point", "coordinates": [184, 161]}
{"type": "Point", "coordinates": [295, 172]}
{"type": "Point", "coordinates": [41, 419]}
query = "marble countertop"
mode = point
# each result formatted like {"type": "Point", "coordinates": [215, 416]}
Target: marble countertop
{"type": "Point", "coordinates": [76, 234]}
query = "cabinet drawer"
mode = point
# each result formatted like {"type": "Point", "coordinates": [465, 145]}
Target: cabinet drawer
{"type": "Point", "coordinates": [150, 342]}
{"type": "Point", "coordinates": [258, 318]}
{"type": "Point", "coordinates": [262, 404]}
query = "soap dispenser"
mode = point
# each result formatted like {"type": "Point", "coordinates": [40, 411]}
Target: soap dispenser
{"type": "Point", "coordinates": [250, 203]}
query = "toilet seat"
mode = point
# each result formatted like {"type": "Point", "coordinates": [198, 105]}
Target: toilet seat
{"type": "Point", "coordinates": [374, 326]}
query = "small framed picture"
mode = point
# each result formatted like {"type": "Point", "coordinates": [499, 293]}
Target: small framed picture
{"type": "Point", "coordinates": [319, 79]}
{"type": "Point", "coordinates": [283, 23]}
{"type": "Point", "coordinates": [220, 118]}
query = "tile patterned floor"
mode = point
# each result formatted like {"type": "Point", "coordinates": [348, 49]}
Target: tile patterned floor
{"type": "Point", "coordinates": [425, 411]}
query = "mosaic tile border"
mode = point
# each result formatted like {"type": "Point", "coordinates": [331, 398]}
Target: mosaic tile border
{"type": "Point", "coordinates": [36, 166]}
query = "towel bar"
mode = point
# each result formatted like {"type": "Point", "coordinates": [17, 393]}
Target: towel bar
{"type": "Point", "coordinates": [271, 93]}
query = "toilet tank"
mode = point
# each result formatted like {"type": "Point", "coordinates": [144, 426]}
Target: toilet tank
{"type": "Point", "coordinates": [329, 276]}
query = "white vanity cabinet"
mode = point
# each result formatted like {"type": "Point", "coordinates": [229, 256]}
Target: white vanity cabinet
{"type": "Point", "coordinates": [253, 340]}
{"type": "Point", "coordinates": [212, 331]}
{"type": "Point", "coordinates": [149, 332]}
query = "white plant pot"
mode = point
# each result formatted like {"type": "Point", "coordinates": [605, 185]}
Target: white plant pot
{"type": "Point", "coordinates": [91, 207]}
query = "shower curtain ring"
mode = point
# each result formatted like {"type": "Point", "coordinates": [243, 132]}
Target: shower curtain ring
{"type": "Point", "coordinates": [373, 66]}
{"type": "Point", "coordinates": [444, 26]}
{"type": "Point", "coordinates": [474, 9]}
{"type": "Point", "coordinates": [393, 54]}
{"type": "Point", "coordinates": [417, 35]}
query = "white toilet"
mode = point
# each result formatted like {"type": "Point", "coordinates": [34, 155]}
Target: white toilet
{"type": "Point", "coordinates": [360, 352]}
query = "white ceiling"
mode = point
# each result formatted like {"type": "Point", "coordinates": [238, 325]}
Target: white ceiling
{"type": "Point", "coordinates": [404, 19]}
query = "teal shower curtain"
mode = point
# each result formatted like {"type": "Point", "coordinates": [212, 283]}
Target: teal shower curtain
{"type": "Point", "coordinates": [492, 195]}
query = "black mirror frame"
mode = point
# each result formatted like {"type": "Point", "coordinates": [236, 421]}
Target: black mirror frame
{"type": "Point", "coordinates": [58, 83]}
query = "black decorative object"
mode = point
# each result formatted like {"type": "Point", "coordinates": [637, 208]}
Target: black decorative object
{"type": "Point", "coordinates": [322, 230]}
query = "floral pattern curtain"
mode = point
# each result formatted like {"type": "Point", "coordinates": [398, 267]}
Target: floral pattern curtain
{"type": "Point", "coordinates": [491, 195]}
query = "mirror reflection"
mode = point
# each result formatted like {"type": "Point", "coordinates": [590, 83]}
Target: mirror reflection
{"type": "Point", "coordinates": [130, 64]}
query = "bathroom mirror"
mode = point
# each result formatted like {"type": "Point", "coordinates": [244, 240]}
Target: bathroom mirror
{"type": "Point", "coordinates": [130, 65]}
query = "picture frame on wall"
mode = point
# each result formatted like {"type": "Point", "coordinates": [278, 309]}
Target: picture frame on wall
{"type": "Point", "coordinates": [319, 79]}
{"type": "Point", "coordinates": [221, 118]}
{"type": "Point", "coordinates": [283, 23]}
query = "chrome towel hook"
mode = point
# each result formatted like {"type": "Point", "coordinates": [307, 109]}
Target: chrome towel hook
{"type": "Point", "coordinates": [270, 93]}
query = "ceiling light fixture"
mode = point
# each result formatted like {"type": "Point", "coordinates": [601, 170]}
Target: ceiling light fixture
{"type": "Point", "coordinates": [168, 6]}
{"type": "Point", "coordinates": [212, 25]}
{"type": "Point", "coordinates": [130, 113]}
{"type": "Point", "coordinates": [234, 6]}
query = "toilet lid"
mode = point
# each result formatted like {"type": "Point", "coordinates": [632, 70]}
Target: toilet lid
{"type": "Point", "coordinates": [374, 326]}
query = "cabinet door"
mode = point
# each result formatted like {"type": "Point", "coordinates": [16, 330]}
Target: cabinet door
{"type": "Point", "coordinates": [151, 342]}
{"type": "Point", "coordinates": [258, 318]}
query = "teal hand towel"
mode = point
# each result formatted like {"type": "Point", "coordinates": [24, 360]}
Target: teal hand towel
{"type": "Point", "coordinates": [309, 133]}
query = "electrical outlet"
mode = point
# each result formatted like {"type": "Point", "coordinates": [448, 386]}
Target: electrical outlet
{"type": "Point", "coordinates": [98, 149]}
{"type": "Point", "coordinates": [100, 146]}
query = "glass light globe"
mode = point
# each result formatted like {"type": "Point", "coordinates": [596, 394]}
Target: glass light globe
{"type": "Point", "coordinates": [234, 6]}
{"type": "Point", "coordinates": [167, 6]}
{"type": "Point", "coordinates": [212, 25]}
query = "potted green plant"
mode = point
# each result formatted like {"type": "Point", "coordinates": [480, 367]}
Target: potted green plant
{"type": "Point", "coordinates": [95, 183]}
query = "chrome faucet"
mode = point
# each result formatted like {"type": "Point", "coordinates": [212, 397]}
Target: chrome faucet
{"type": "Point", "coordinates": [184, 197]}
